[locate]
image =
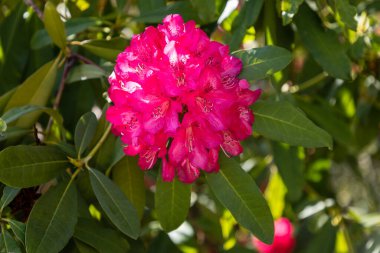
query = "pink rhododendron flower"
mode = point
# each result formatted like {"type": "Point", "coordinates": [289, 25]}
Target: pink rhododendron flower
{"type": "Point", "coordinates": [177, 97]}
{"type": "Point", "coordinates": [283, 241]}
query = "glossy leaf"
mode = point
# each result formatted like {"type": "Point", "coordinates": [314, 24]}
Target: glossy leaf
{"type": "Point", "coordinates": [85, 72]}
{"type": "Point", "coordinates": [184, 8]}
{"type": "Point", "coordinates": [18, 229]}
{"type": "Point", "coordinates": [107, 49]}
{"type": "Point", "coordinates": [9, 243]}
{"type": "Point", "coordinates": [290, 168]}
{"type": "Point", "coordinates": [103, 239]}
{"type": "Point", "coordinates": [322, 44]}
{"type": "Point", "coordinates": [54, 25]}
{"type": "Point", "coordinates": [26, 166]}
{"type": "Point", "coordinates": [14, 40]}
{"type": "Point", "coordinates": [259, 63]}
{"type": "Point", "coordinates": [172, 203]}
{"type": "Point", "coordinates": [283, 122]}
{"type": "Point", "coordinates": [288, 9]}
{"type": "Point", "coordinates": [9, 193]}
{"type": "Point", "coordinates": [324, 116]}
{"type": "Point", "coordinates": [238, 192]}
{"type": "Point", "coordinates": [17, 112]}
{"type": "Point", "coordinates": [247, 17]}
{"type": "Point", "coordinates": [115, 204]}
{"type": "Point", "coordinates": [130, 178]}
{"type": "Point", "coordinates": [84, 132]}
{"type": "Point", "coordinates": [346, 13]}
{"type": "Point", "coordinates": [52, 220]}
{"type": "Point", "coordinates": [36, 90]}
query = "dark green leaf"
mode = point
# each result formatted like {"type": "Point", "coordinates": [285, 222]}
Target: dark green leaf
{"type": "Point", "coordinates": [104, 240]}
{"type": "Point", "coordinates": [323, 45]}
{"type": "Point", "coordinates": [9, 193]}
{"type": "Point", "coordinates": [346, 13]}
{"type": "Point", "coordinates": [238, 192]}
{"type": "Point", "coordinates": [15, 113]}
{"type": "Point", "coordinates": [4, 99]}
{"type": "Point", "coordinates": [115, 204]}
{"type": "Point", "coordinates": [184, 8]}
{"type": "Point", "coordinates": [283, 122]}
{"type": "Point", "coordinates": [14, 41]}
{"type": "Point", "coordinates": [84, 248]}
{"type": "Point", "coordinates": [54, 25]}
{"type": "Point", "coordinates": [290, 167]}
{"type": "Point", "coordinates": [84, 132]}
{"type": "Point", "coordinates": [259, 63]}
{"type": "Point", "coordinates": [130, 178]}
{"type": "Point", "coordinates": [13, 132]}
{"type": "Point", "coordinates": [109, 154]}
{"type": "Point", "coordinates": [85, 72]}
{"type": "Point", "coordinates": [206, 10]}
{"type": "Point", "coordinates": [163, 244]}
{"type": "Point", "coordinates": [324, 240]}
{"type": "Point", "coordinates": [172, 203]}
{"type": "Point", "coordinates": [18, 229]}
{"type": "Point", "coordinates": [52, 220]}
{"type": "Point", "coordinates": [107, 49]}
{"type": "Point", "coordinates": [26, 166]}
{"type": "Point", "coordinates": [288, 9]}
{"type": "Point", "coordinates": [324, 116]}
{"type": "Point", "coordinates": [150, 5]}
{"type": "Point", "coordinates": [9, 243]}
{"type": "Point", "coordinates": [3, 126]}
{"type": "Point", "coordinates": [36, 90]}
{"type": "Point", "coordinates": [73, 26]}
{"type": "Point", "coordinates": [247, 17]}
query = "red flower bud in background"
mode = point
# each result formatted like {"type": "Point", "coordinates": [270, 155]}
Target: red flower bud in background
{"type": "Point", "coordinates": [283, 241]}
{"type": "Point", "coordinates": [177, 97]}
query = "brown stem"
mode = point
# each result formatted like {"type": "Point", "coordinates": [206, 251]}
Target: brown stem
{"type": "Point", "coordinates": [35, 8]}
{"type": "Point", "coordinates": [86, 60]}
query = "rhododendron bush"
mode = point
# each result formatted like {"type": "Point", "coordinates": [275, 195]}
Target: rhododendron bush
{"type": "Point", "coordinates": [189, 126]}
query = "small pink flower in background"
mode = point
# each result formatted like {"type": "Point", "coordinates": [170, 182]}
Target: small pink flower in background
{"type": "Point", "coordinates": [177, 97]}
{"type": "Point", "coordinates": [283, 241]}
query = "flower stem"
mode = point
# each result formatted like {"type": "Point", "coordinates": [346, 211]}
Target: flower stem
{"type": "Point", "coordinates": [98, 145]}
{"type": "Point", "coordinates": [311, 82]}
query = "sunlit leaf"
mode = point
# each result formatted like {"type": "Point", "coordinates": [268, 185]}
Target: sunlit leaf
{"type": "Point", "coordinates": [238, 192]}
{"type": "Point", "coordinates": [54, 25]}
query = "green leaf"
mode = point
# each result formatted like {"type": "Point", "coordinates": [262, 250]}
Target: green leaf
{"type": "Point", "coordinates": [84, 72]}
{"type": "Point", "coordinates": [13, 132]}
{"type": "Point", "coordinates": [346, 13]}
{"type": "Point", "coordinates": [130, 178]}
{"type": "Point", "coordinates": [4, 99]}
{"type": "Point", "coordinates": [162, 244]}
{"type": "Point", "coordinates": [172, 203]}
{"type": "Point", "coordinates": [238, 192]}
{"type": "Point", "coordinates": [9, 243]}
{"type": "Point", "coordinates": [17, 112]}
{"type": "Point", "coordinates": [259, 63]}
{"type": "Point", "coordinates": [73, 26]}
{"type": "Point", "coordinates": [275, 194]}
{"type": "Point", "coordinates": [3, 126]}
{"type": "Point", "coordinates": [14, 50]}
{"type": "Point", "coordinates": [115, 204]}
{"type": "Point", "coordinates": [150, 5]}
{"type": "Point", "coordinates": [184, 8]}
{"type": "Point", "coordinates": [18, 229]}
{"type": "Point", "coordinates": [324, 240]}
{"type": "Point", "coordinates": [104, 240]}
{"type": "Point", "coordinates": [52, 220]}
{"type": "Point", "coordinates": [26, 166]}
{"type": "Point", "coordinates": [9, 193]}
{"type": "Point", "coordinates": [84, 132]}
{"type": "Point", "coordinates": [247, 17]}
{"type": "Point", "coordinates": [283, 122]}
{"type": "Point", "coordinates": [322, 44]}
{"type": "Point", "coordinates": [290, 167]}
{"type": "Point", "coordinates": [107, 49]}
{"type": "Point", "coordinates": [36, 90]}
{"type": "Point", "coordinates": [324, 116]}
{"type": "Point", "coordinates": [206, 10]}
{"type": "Point", "coordinates": [288, 9]}
{"type": "Point", "coordinates": [54, 25]}
{"type": "Point", "coordinates": [110, 153]}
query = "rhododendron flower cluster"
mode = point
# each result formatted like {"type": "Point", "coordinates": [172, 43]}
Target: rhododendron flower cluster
{"type": "Point", "coordinates": [283, 241]}
{"type": "Point", "coordinates": [177, 97]}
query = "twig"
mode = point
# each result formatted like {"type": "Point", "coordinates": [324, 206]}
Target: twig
{"type": "Point", "coordinates": [86, 60]}
{"type": "Point", "coordinates": [35, 8]}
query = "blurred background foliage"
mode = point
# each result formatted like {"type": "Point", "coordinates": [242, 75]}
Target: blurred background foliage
{"type": "Point", "coordinates": [332, 196]}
